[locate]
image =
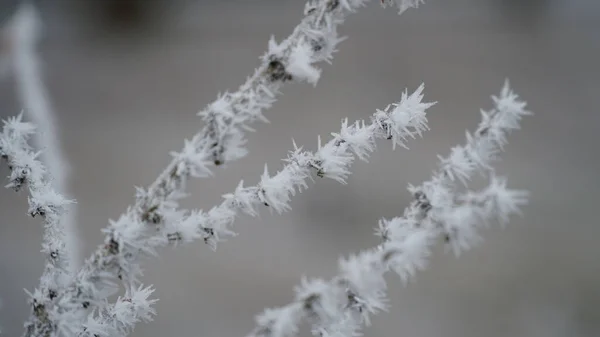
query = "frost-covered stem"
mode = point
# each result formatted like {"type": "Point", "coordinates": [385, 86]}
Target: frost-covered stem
{"type": "Point", "coordinates": [34, 97]}
{"type": "Point", "coordinates": [128, 239]}
{"type": "Point", "coordinates": [340, 306]}
{"type": "Point", "coordinates": [477, 154]}
{"type": "Point", "coordinates": [120, 318]}
{"type": "Point", "coordinates": [397, 122]}
{"type": "Point", "coordinates": [26, 171]}
{"type": "Point", "coordinates": [222, 139]}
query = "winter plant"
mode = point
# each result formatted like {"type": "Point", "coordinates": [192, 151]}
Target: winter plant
{"type": "Point", "coordinates": [76, 300]}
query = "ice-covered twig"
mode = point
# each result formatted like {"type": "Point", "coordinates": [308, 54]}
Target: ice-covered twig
{"type": "Point", "coordinates": [397, 122]}
{"type": "Point", "coordinates": [120, 318]}
{"type": "Point", "coordinates": [339, 307]}
{"type": "Point", "coordinates": [222, 139]}
{"type": "Point", "coordinates": [26, 171]}
{"type": "Point", "coordinates": [312, 41]}
{"type": "Point", "coordinates": [94, 283]}
{"type": "Point", "coordinates": [34, 98]}
{"type": "Point", "coordinates": [433, 197]}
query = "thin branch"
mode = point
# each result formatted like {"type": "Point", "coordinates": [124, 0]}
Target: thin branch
{"type": "Point", "coordinates": [397, 122]}
{"type": "Point", "coordinates": [221, 140]}
{"type": "Point", "coordinates": [342, 305]}
{"type": "Point", "coordinates": [128, 240]}
{"type": "Point", "coordinates": [477, 154]}
{"type": "Point", "coordinates": [402, 120]}
{"type": "Point", "coordinates": [26, 171]}
{"type": "Point", "coordinates": [339, 307]}
{"type": "Point", "coordinates": [34, 97]}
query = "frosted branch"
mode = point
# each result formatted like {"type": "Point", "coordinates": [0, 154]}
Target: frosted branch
{"type": "Point", "coordinates": [120, 318]}
{"type": "Point", "coordinates": [397, 122]}
{"type": "Point", "coordinates": [128, 239]}
{"type": "Point", "coordinates": [339, 307]}
{"type": "Point", "coordinates": [222, 139]}
{"type": "Point", "coordinates": [26, 171]}
{"type": "Point", "coordinates": [434, 197]}
{"type": "Point", "coordinates": [313, 40]}
{"type": "Point", "coordinates": [34, 97]}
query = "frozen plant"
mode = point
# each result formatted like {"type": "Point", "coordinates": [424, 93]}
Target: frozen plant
{"type": "Point", "coordinates": [77, 301]}
{"type": "Point", "coordinates": [24, 31]}
{"type": "Point", "coordinates": [340, 306]}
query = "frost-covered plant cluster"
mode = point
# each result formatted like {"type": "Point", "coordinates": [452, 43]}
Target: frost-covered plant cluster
{"type": "Point", "coordinates": [80, 301]}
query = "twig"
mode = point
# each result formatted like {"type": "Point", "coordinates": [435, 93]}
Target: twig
{"type": "Point", "coordinates": [397, 122]}
{"type": "Point", "coordinates": [34, 97]}
{"type": "Point", "coordinates": [339, 307]}
{"type": "Point", "coordinates": [26, 171]}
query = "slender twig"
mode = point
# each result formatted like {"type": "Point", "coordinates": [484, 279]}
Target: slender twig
{"type": "Point", "coordinates": [313, 40]}
{"type": "Point", "coordinates": [397, 122]}
{"type": "Point", "coordinates": [34, 98]}
{"type": "Point", "coordinates": [26, 171]}
{"type": "Point", "coordinates": [339, 307]}
{"type": "Point", "coordinates": [477, 154]}
{"type": "Point", "coordinates": [221, 140]}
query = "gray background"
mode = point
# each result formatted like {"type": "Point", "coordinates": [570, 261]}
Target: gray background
{"type": "Point", "coordinates": [126, 84]}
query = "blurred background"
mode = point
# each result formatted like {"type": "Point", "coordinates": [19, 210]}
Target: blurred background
{"type": "Point", "coordinates": [126, 78]}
